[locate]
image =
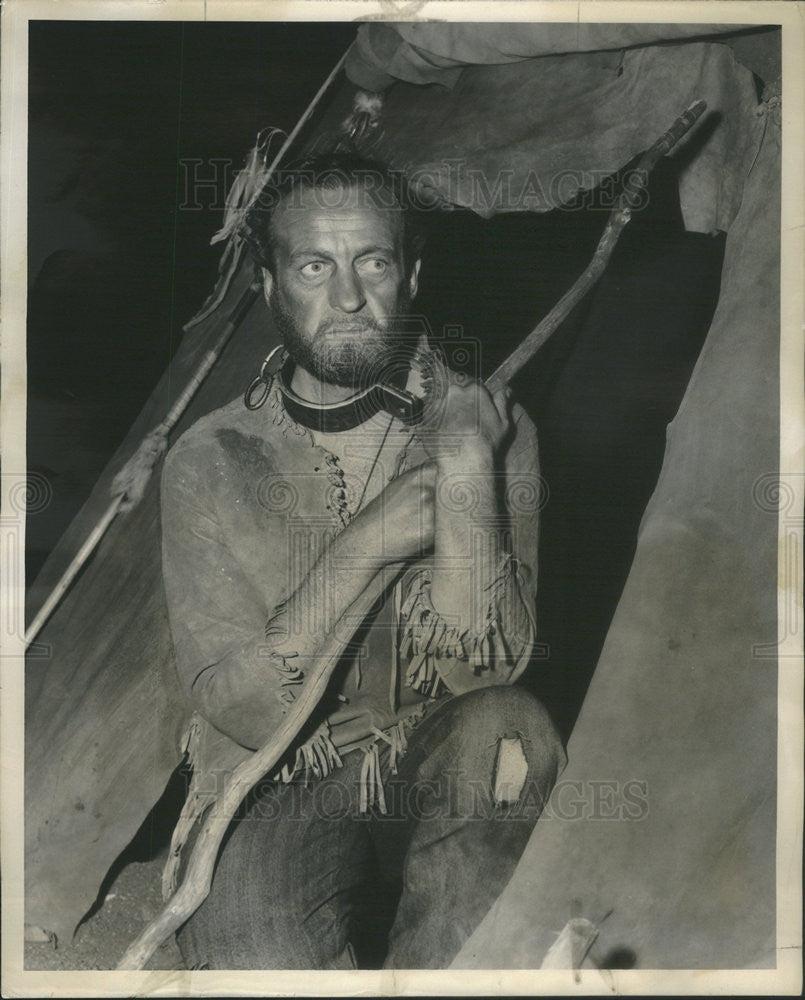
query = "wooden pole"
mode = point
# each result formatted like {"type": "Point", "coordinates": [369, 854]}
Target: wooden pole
{"type": "Point", "coordinates": [72, 570]}
{"type": "Point", "coordinates": [130, 483]}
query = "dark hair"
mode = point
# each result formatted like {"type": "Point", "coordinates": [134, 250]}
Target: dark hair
{"type": "Point", "coordinates": [332, 171]}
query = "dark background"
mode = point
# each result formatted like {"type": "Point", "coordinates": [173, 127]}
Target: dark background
{"type": "Point", "coordinates": [119, 261]}
{"type": "Point", "coordinates": [118, 258]}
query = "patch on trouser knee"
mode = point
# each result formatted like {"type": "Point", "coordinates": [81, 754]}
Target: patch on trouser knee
{"type": "Point", "coordinates": [511, 770]}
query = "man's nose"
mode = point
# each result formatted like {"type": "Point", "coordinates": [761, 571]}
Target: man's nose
{"type": "Point", "coordinates": [346, 292]}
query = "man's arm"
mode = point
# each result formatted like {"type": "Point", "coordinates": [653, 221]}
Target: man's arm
{"type": "Point", "coordinates": [244, 652]}
{"type": "Point", "coordinates": [473, 614]}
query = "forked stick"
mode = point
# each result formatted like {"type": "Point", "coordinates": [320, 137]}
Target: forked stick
{"type": "Point", "coordinates": [197, 880]}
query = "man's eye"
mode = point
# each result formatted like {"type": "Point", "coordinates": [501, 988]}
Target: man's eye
{"type": "Point", "coordinates": [313, 269]}
{"type": "Point", "coordinates": [374, 265]}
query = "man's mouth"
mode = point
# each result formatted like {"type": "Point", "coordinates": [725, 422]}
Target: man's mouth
{"type": "Point", "coordinates": [350, 332]}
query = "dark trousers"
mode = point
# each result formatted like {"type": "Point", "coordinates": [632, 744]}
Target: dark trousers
{"type": "Point", "coordinates": [305, 880]}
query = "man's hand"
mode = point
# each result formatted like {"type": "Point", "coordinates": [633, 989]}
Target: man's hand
{"type": "Point", "coordinates": [464, 424]}
{"type": "Point", "coordinates": [400, 520]}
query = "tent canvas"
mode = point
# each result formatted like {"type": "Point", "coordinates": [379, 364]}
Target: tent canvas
{"type": "Point", "coordinates": [677, 691]}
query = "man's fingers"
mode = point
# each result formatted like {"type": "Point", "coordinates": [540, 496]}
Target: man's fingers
{"type": "Point", "coordinates": [502, 399]}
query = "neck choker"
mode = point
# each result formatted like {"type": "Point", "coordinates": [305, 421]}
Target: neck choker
{"type": "Point", "coordinates": [330, 418]}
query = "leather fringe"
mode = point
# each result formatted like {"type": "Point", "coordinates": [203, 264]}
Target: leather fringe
{"type": "Point", "coordinates": [427, 637]}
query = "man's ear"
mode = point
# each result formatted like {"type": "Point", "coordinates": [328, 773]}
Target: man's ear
{"type": "Point", "coordinates": [268, 282]}
{"type": "Point", "coordinates": [413, 281]}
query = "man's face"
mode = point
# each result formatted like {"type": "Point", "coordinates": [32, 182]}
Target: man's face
{"type": "Point", "coordinates": [338, 283]}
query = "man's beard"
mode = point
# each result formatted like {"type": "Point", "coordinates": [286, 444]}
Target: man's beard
{"type": "Point", "coordinates": [352, 352]}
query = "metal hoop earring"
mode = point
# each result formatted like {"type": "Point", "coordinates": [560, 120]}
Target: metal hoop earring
{"type": "Point", "coordinates": [265, 380]}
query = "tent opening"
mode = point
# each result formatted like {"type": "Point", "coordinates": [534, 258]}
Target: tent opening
{"type": "Point", "coordinates": [602, 391]}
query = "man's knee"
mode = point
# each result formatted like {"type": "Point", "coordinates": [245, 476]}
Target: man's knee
{"type": "Point", "coordinates": [504, 708]}
{"type": "Point", "coordinates": [510, 720]}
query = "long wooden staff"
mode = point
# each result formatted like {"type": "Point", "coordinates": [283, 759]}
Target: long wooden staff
{"type": "Point", "coordinates": [198, 876]}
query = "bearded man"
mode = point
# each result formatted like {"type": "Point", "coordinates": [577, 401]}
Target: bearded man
{"type": "Point", "coordinates": [322, 512]}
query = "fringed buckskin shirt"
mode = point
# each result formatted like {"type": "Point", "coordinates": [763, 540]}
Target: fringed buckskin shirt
{"type": "Point", "coordinates": [250, 500]}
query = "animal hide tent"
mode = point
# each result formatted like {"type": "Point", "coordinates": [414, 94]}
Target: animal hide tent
{"type": "Point", "coordinates": [682, 705]}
